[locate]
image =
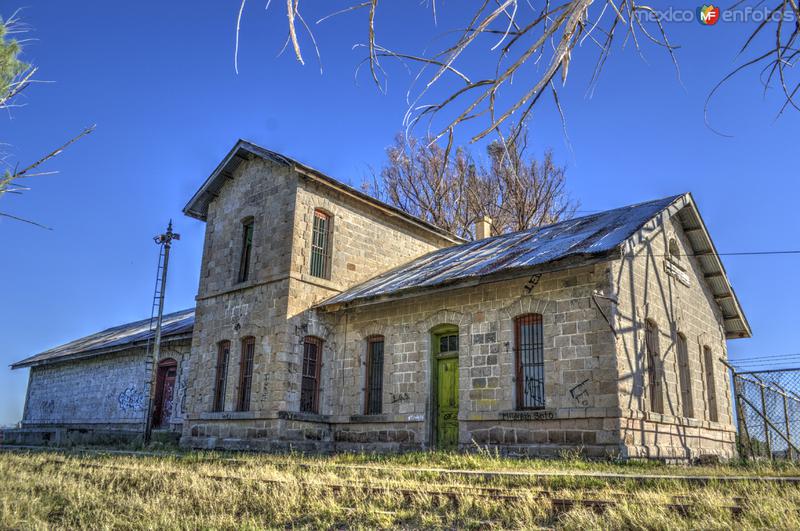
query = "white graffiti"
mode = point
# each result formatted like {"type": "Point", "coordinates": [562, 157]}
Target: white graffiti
{"type": "Point", "coordinates": [131, 399]}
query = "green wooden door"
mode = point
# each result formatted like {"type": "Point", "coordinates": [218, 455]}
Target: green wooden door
{"type": "Point", "coordinates": [447, 403]}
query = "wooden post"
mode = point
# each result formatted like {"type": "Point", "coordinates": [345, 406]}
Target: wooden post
{"type": "Point", "coordinates": [788, 430]}
{"type": "Point", "coordinates": [789, 451]}
{"type": "Point", "coordinates": [744, 436]}
{"type": "Point", "coordinates": [766, 423]}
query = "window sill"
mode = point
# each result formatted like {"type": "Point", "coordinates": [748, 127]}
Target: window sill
{"type": "Point", "coordinates": [303, 416]}
{"type": "Point", "coordinates": [239, 286]}
{"type": "Point", "coordinates": [229, 415]}
{"type": "Point", "coordinates": [373, 417]}
{"type": "Point", "coordinates": [320, 282]}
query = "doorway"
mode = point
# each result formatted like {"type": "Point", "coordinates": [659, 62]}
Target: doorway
{"type": "Point", "coordinates": [445, 385]}
{"type": "Point", "coordinates": [165, 393]}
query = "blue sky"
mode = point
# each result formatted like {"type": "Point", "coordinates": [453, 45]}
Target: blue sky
{"type": "Point", "coordinates": [158, 80]}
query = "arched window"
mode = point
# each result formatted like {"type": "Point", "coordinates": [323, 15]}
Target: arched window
{"type": "Point", "coordinates": [373, 401]}
{"type": "Point", "coordinates": [711, 384]}
{"type": "Point", "coordinates": [309, 387]}
{"type": "Point", "coordinates": [221, 374]}
{"type": "Point", "coordinates": [247, 249]}
{"type": "Point", "coordinates": [653, 380]}
{"type": "Point", "coordinates": [529, 359]}
{"type": "Point", "coordinates": [246, 373]}
{"type": "Point", "coordinates": [685, 375]}
{"type": "Point", "coordinates": [674, 250]}
{"type": "Point", "coordinates": [321, 245]}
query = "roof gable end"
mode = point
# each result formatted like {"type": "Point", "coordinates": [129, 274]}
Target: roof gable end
{"type": "Point", "coordinates": [242, 151]}
{"type": "Point", "coordinates": [685, 210]}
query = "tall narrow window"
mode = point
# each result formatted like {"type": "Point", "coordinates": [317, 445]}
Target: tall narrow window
{"type": "Point", "coordinates": [247, 248]}
{"type": "Point", "coordinates": [529, 351]}
{"type": "Point", "coordinates": [685, 376]}
{"type": "Point", "coordinates": [309, 387]}
{"type": "Point", "coordinates": [711, 385]}
{"type": "Point", "coordinates": [246, 373]}
{"type": "Point", "coordinates": [321, 245]}
{"type": "Point", "coordinates": [653, 380]}
{"type": "Point", "coordinates": [674, 250]}
{"type": "Point", "coordinates": [221, 375]}
{"type": "Point", "coordinates": [374, 387]}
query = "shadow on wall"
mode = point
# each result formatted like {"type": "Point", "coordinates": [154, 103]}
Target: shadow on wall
{"type": "Point", "coordinates": [653, 276]}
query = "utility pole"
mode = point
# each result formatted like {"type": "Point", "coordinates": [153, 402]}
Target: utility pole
{"type": "Point", "coordinates": [164, 241]}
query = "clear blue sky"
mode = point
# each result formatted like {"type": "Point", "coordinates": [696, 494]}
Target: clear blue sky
{"type": "Point", "coordinates": [157, 78]}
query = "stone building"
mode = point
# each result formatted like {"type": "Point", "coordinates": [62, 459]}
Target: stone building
{"type": "Point", "coordinates": [95, 389]}
{"type": "Point", "coordinates": [327, 320]}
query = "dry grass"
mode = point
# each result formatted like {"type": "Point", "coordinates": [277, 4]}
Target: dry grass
{"type": "Point", "coordinates": [52, 490]}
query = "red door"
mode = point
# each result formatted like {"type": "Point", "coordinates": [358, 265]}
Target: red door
{"type": "Point", "coordinates": [165, 393]}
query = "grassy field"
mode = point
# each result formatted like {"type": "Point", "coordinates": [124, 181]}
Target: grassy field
{"type": "Point", "coordinates": [52, 490]}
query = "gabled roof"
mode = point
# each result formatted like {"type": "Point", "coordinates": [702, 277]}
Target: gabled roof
{"type": "Point", "coordinates": [197, 207]}
{"type": "Point", "coordinates": [177, 325]}
{"type": "Point", "coordinates": [569, 243]}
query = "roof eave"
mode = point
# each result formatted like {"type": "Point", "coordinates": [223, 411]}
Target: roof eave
{"type": "Point", "coordinates": [245, 150]}
{"type": "Point", "coordinates": [86, 354]}
{"type": "Point", "coordinates": [744, 331]}
{"type": "Point", "coordinates": [736, 324]}
{"type": "Point", "coordinates": [567, 262]}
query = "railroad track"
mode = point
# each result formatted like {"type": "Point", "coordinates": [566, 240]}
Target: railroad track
{"type": "Point", "coordinates": [453, 494]}
{"type": "Point", "coordinates": [486, 474]}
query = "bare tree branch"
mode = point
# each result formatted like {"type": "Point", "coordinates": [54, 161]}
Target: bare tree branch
{"type": "Point", "coordinates": [520, 41]}
{"type": "Point", "coordinates": [447, 187]}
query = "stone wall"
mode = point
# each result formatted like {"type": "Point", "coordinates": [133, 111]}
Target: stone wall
{"type": "Point", "coordinates": [580, 367]}
{"type": "Point", "coordinates": [229, 310]}
{"type": "Point", "coordinates": [672, 293]}
{"type": "Point", "coordinates": [365, 242]}
{"type": "Point", "coordinates": [281, 203]}
{"type": "Point", "coordinates": [596, 397]}
{"type": "Point", "coordinates": [90, 399]}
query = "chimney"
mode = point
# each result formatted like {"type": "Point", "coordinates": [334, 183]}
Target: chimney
{"type": "Point", "coordinates": [483, 228]}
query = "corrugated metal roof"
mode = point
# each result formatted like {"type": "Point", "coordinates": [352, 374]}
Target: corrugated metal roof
{"type": "Point", "coordinates": [114, 339]}
{"type": "Point", "coordinates": [580, 239]}
{"type": "Point", "coordinates": [592, 235]}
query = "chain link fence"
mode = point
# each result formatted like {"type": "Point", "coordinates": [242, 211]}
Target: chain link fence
{"type": "Point", "coordinates": [768, 413]}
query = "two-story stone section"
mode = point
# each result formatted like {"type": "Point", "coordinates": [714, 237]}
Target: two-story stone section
{"type": "Point", "coordinates": [280, 237]}
{"type": "Point", "coordinates": [327, 320]}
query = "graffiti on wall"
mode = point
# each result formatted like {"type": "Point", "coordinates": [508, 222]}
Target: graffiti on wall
{"type": "Point", "coordinates": [400, 397]}
{"type": "Point", "coordinates": [532, 282]}
{"type": "Point", "coordinates": [527, 415]}
{"type": "Point", "coordinates": [580, 393]}
{"type": "Point", "coordinates": [47, 407]}
{"type": "Point", "coordinates": [131, 399]}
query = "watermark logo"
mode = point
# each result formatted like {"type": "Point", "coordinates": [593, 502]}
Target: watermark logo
{"type": "Point", "coordinates": [708, 15]}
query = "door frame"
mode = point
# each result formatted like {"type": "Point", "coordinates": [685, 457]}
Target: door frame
{"type": "Point", "coordinates": [161, 374]}
{"type": "Point", "coordinates": [436, 333]}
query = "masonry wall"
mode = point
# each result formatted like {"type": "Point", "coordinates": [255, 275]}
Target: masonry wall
{"type": "Point", "coordinates": [281, 204]}
{"type": "Point", "coordinates": [678, 301]}
{"type": "Point", "coordinates": [366, 241]}
{"type": "Point", "coordinates": [580, 368]}
{"type": "Point", "coordinates": [93, 398]}
{"type": "Point", "coordinates": [229, 310]}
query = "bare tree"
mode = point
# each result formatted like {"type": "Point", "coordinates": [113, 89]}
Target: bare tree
{"type": "Point", "coordinates": [532, 42]}
{"type": "Point", "coordinates": [527, 193]}
{"type": "Point", "coordinates": [453, 192]}
{"type": "Point", "coordinates": [15, 77]}
{"type": "Point", "coordinates": [423, 180]}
